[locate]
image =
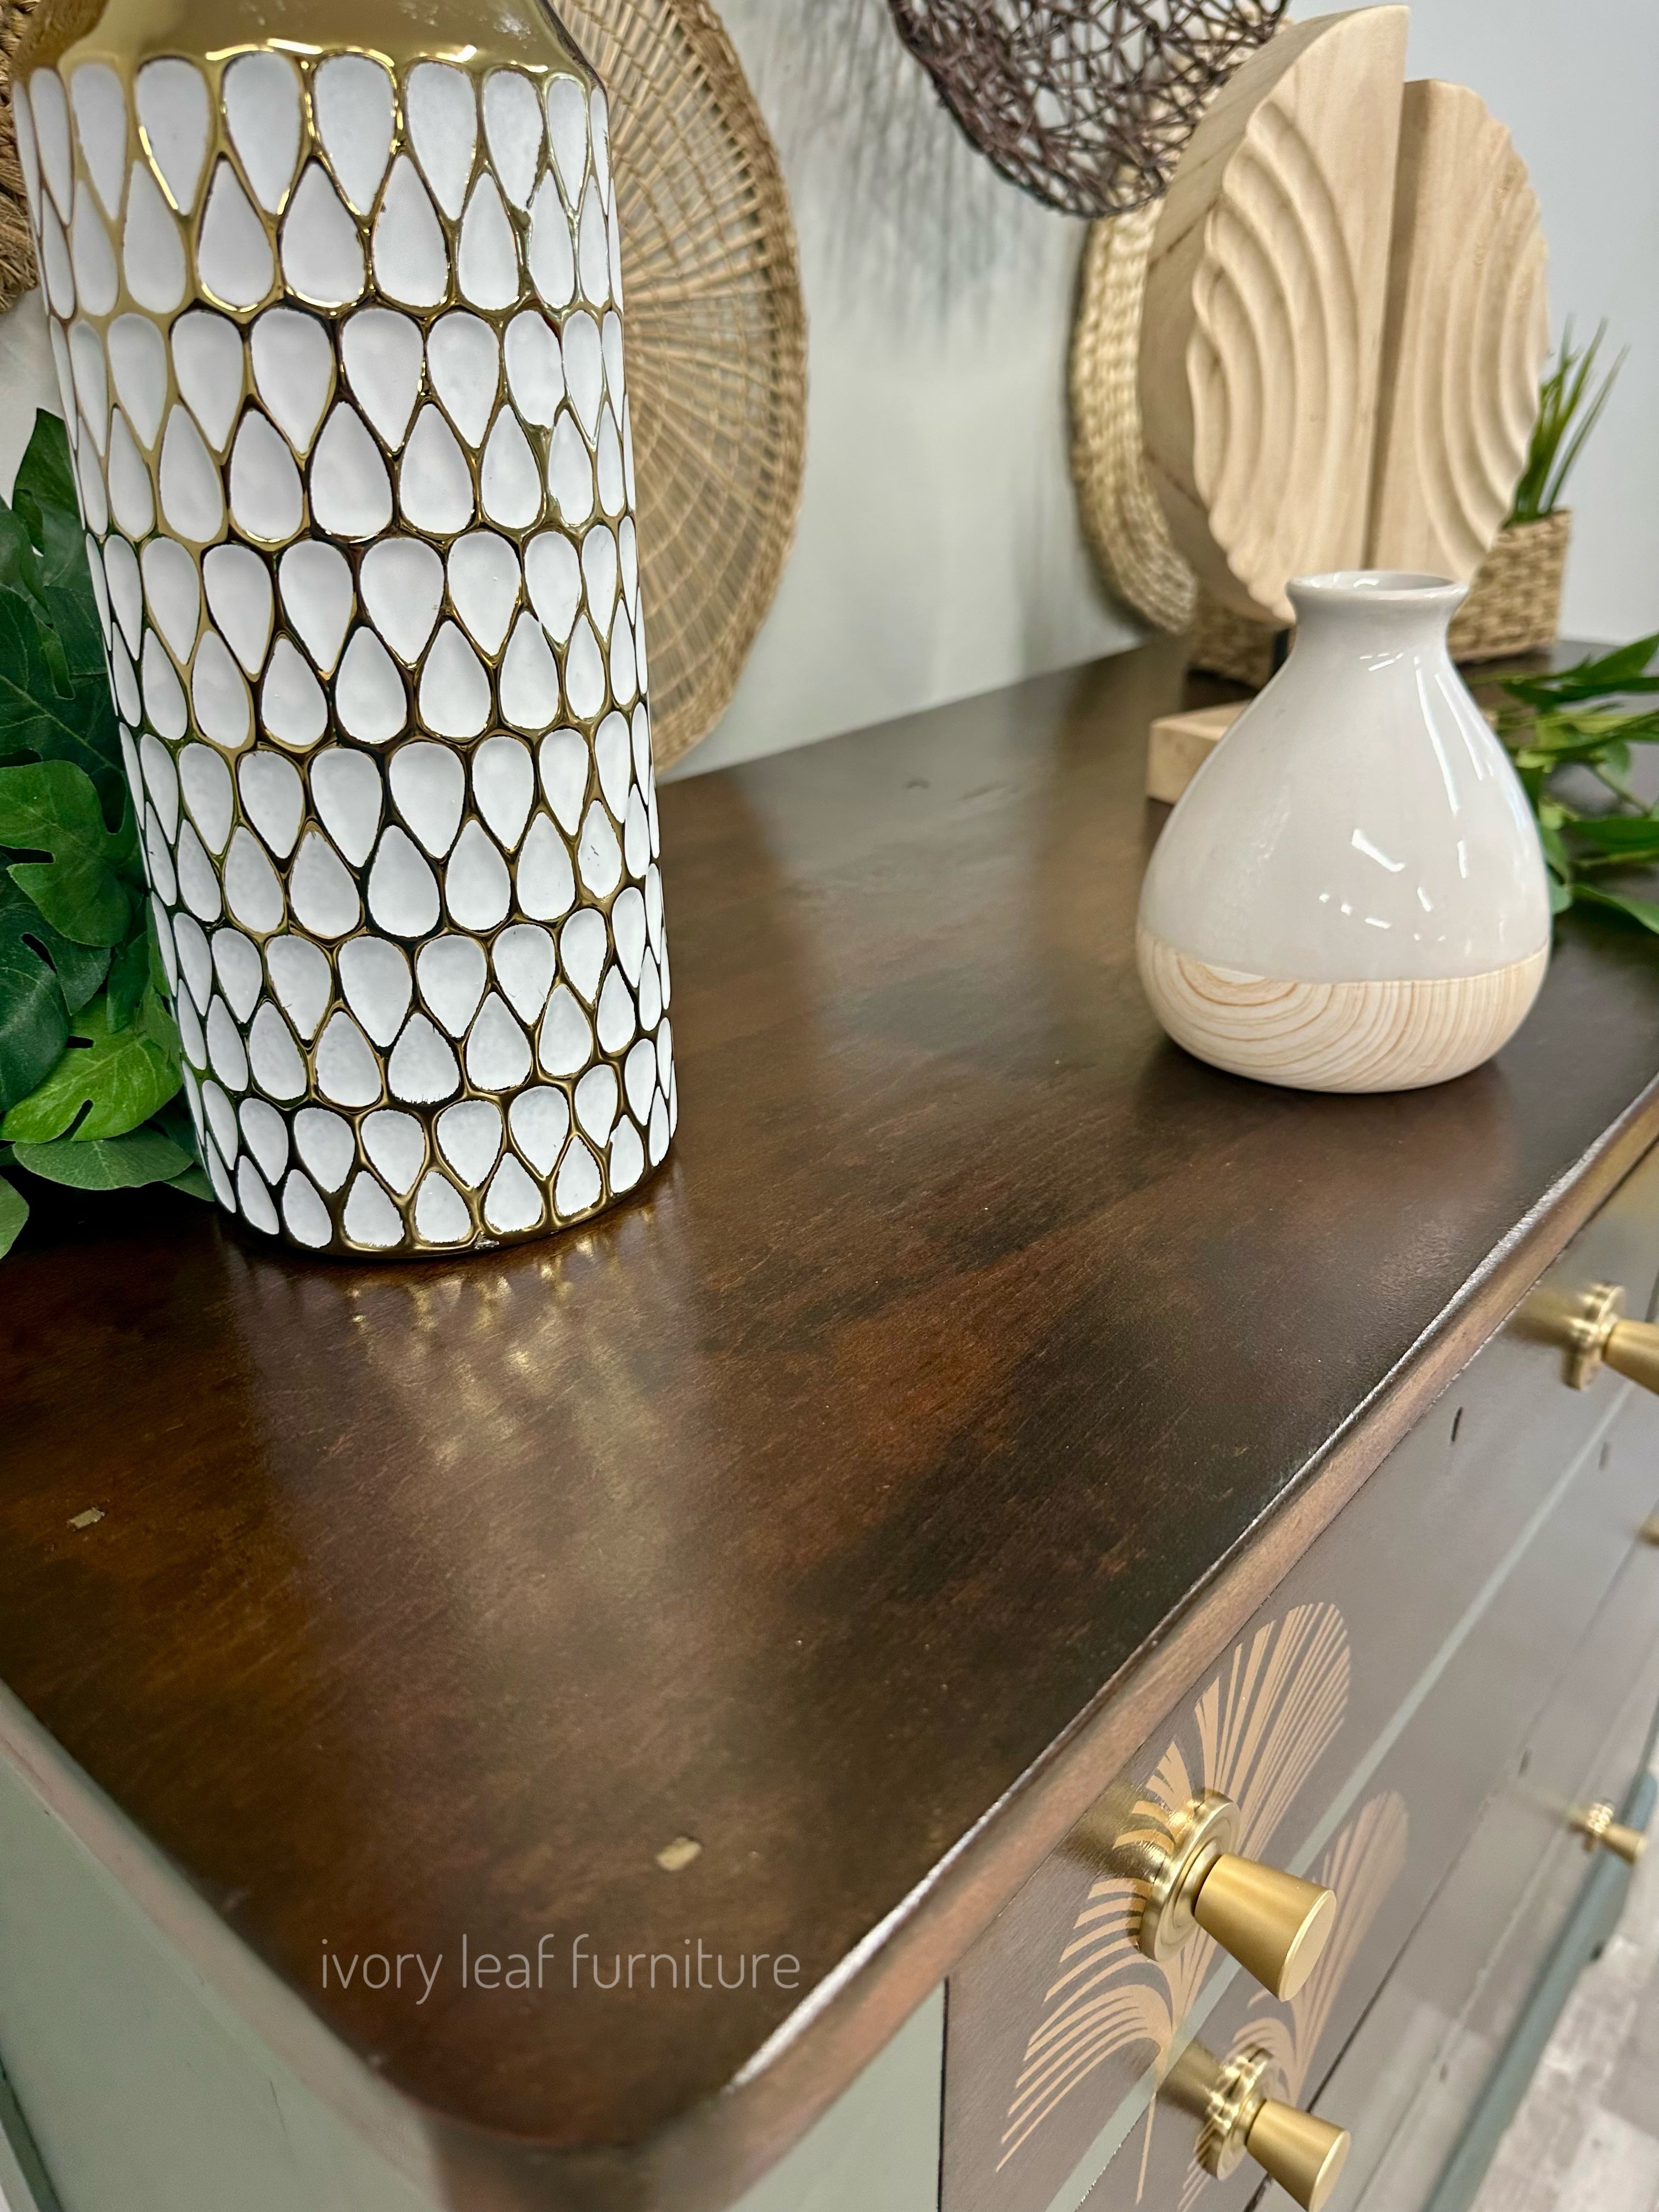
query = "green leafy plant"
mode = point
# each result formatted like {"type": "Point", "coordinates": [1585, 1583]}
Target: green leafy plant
{"type": "Point", "coordinates": [1569, 404]}
{"type": "Point", "coordinates": [1592, 823]}
{"type": "Point", "coordinates": [90, 1075]}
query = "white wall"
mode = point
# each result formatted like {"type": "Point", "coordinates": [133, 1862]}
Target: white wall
{"type": "Point", "coordinates": [939, 553]}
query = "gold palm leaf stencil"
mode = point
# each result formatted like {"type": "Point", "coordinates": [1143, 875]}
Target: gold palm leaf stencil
{"type": "Point", "coordinates": [1260, 1728]}
{"type": "Point", "coordinates": [1362, 1865]}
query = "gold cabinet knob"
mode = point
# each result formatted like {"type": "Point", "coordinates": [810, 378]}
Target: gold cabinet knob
{"type": "Point", "coordinates": [1596, 1334]}
{"type": "Point", "coordinates": [1601, 1831]}
{"type": "Point", "coordinates": [1239, 2116]}
{"type": "Point", "coordinates": [1275, 1924]}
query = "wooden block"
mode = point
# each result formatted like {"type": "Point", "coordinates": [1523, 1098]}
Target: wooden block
{"type": "Point", "coordinates": [1262, 333]}
{"type": "Point", "coordinates": [1464, 339]}
{"type": "Point", "coordinates": [1179, 746]}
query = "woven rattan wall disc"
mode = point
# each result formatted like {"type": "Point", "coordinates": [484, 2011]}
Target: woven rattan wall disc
{"type": "Point", "coordinates": [1122, 517]}
{"type": "Point", "coordinates": [716, 344]}
{"type": "Point", "coordinates": [1086, 104]}
{"type": "Point", "coordinates": [16, 248]}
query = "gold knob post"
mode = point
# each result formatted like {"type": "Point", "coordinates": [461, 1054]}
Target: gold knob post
{"type": "Point", "coordinates": [1275, 1924]}
{"type": "Point", "coordinates": [1632, 1351]}
{"type": "Point", "coordinates": [1304, 2154]}
{"type": "Point", "coordinates": [1238, 2117]}
{"type": "Point", "coordinates": [1596, 1334]}
{"type": "Point", "coordinates": [1602, 1832]}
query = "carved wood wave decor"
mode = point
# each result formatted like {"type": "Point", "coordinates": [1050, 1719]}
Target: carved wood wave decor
{"type": "Point", "coordinates": [1085, 104]}
{"type": "Point", "coordinates": [1337, 324]}
{"type": "Point", "coordinates": [1259, 1728]}
{"type": "Point", "coordinates": [1261, 332]}
{"type": "Point", "coordinates": [1467, 326]}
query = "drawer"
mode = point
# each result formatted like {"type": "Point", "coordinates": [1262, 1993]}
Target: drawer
{"type": "Point", "coordinates": [1471, 1961]}
{"type": "Point", "coordinates": [1409, 2077]}
{"type": "Point", "coordinates": [1408, 1653]}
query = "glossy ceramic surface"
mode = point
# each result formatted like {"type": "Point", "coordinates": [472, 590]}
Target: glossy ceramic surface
{"type": "Point", "coordinates": [1360, 822]}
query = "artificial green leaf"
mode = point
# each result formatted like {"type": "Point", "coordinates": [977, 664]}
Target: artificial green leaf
{"type": "Point", "coordinates": [38, 715]}
{"type": "Point", "coordinates": [173, 1121]}
{"type": "Point", "coordinates": [80, 968]}
{"type": "Point", "coordinates": [20, 559]}
{"type": "Point", "coordinates": [1622, 670]}
{"type": "Point", "coordinates": [50, 806]}
{"type": "Point", "coordinates": [1629, 836]}
{"type": "Point", "coordinates": [129, 979]}
{"type": "Point", "coordinates": [13, 1212]}
{"type": "Point", "coordinates": [193, 1184]}
{"type": "Point", "coordinates": [73, 614]}
{"type": "Point", "coordinates": [104, 1084]}
{"type": "Point", "coordinates": [108, 1163]}
{"type": "Point", "coordinates": [1642, 910]}
{"type": "Point", "coordinates": [45, 483]}
{"type": "Point", "coordinates": [1549, 836]}
{"type": "Point", "coordinates": [155, 1023]}
{"type": "Point", "coordinates": [44, 979]}
{"type": "Point", "coordinates": [34, 1020]}
{"type": "Point", "coordinates": [1562, 895]}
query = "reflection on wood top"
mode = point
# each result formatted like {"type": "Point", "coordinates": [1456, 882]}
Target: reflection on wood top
{"type": "Point", "coordinates": [821, 1507]}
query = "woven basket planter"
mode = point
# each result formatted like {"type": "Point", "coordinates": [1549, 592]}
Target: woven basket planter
{"type": "Point", "coordinates": [1223, 643]}
{"type": "Point", "coordinates": [1514, 603]}
{"type": "Point", "coordinates": [1514, 606]}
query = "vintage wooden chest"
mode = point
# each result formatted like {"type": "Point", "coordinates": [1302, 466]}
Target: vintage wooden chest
{"type": "Point", "coordinates": [709, 1712]}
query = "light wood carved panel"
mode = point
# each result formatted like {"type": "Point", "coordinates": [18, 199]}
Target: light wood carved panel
{"type": "Point", "coordinates": [1261, 334]}
{"type": "Point", "coordinates": [1465, 336]}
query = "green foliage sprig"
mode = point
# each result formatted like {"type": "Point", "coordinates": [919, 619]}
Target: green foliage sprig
{"type": "Point", "coordinates": [1568, 720]}
{"type": "Point", "coordinates": [90, 1075]}
{"type": "Point", "coordinates": [1569, 404]}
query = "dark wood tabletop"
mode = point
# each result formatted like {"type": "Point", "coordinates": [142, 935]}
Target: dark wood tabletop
{"type": "Point", "coordinates": [851, 1502]}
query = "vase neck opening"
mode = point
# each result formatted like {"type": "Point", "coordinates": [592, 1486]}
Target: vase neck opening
{"type": "Point", "coordinates": [1356, 604]}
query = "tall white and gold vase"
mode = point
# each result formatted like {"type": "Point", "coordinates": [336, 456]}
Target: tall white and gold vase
{"type": "Point", "coordinates": [338, 320]}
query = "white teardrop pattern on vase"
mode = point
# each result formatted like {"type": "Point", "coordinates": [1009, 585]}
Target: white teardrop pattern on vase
{"type": "Point", "coordinates": [352, 446]}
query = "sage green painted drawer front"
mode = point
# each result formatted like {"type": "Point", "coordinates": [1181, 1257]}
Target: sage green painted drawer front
{"type": "Point", "coordinates": [1363, 1721]}
{"type": "Point", "coordinates": [1411, 2072]}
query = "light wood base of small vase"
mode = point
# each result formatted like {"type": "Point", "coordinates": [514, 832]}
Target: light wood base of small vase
{"type": "Point", "coordinates": [1336, 1036]}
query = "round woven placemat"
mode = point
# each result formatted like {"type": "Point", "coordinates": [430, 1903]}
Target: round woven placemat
{"type": "Point", "coordinates": [16, 247]}
{"type": "Point", "coordinates": [1122, 517]}
{"type": "Point", "coordinates": [716, 344]}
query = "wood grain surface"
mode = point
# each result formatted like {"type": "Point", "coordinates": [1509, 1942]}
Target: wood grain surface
{"type": "Point", "coordinates": [852, 1503]}
{"type": "Point", "coordinates": [1465, 337]}
{"type": "Point", "coordinates": [1262, 323]}
{"type": "Point", "coordinates": [1353, 1035]}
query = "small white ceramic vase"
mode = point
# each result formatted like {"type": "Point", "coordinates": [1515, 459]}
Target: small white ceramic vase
{"type": "Point", "coordinates": [1351, 894]}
